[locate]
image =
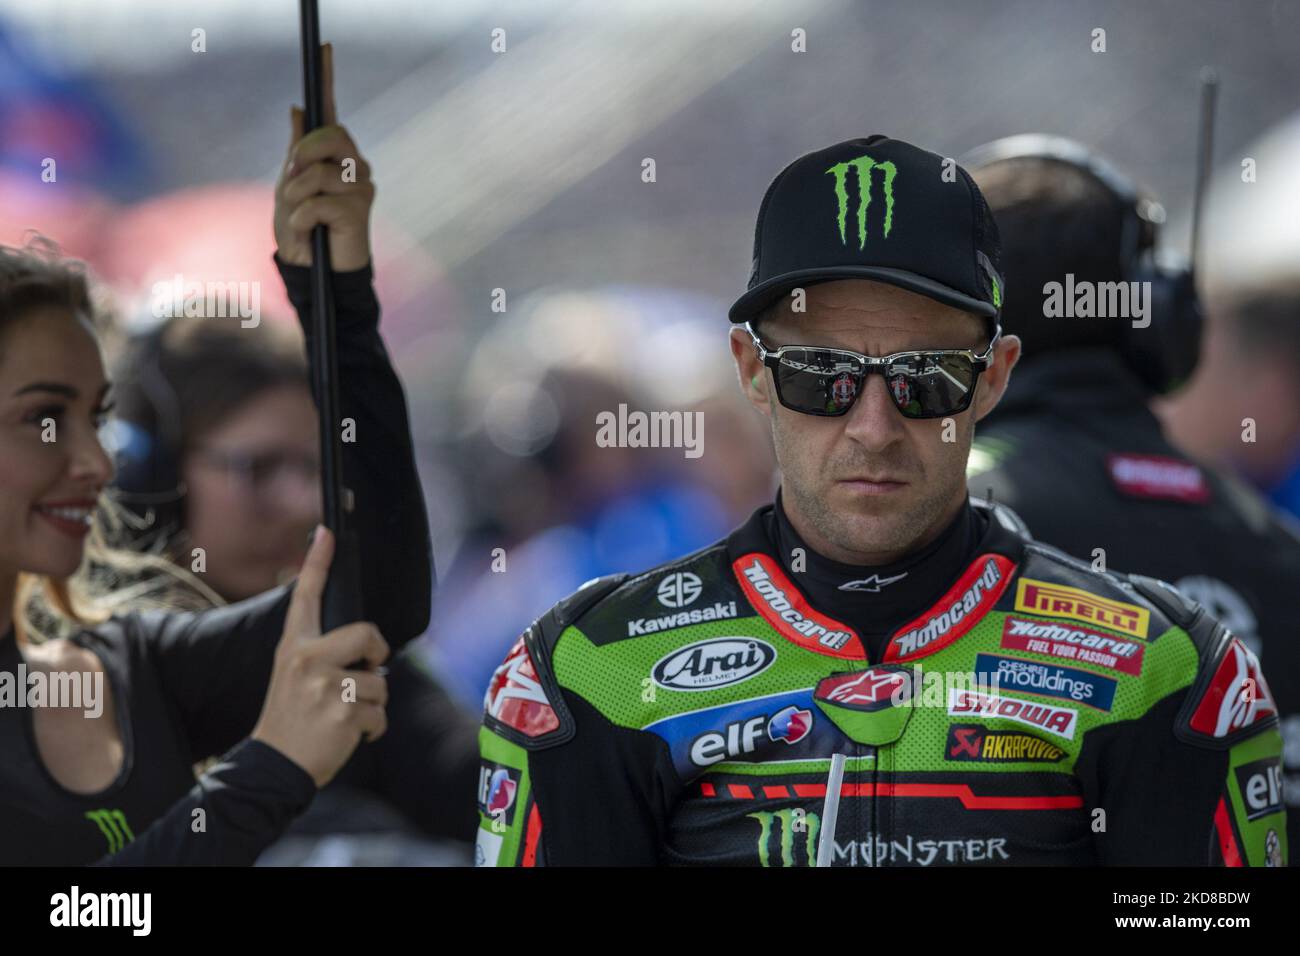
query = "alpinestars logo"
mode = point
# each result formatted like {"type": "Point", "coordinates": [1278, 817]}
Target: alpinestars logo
{"type": "Point", "coordinates": [863, 165]}
{"type": "Point", "coordinates": [872, 584]}
{"type": "Point", "coordinates": [112, 823]}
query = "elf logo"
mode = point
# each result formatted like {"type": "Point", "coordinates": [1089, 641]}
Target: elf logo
{"type": "Point", "coordinates": [1260, 784]}
{"type": "Point", "coordinates": [705, 665]}
{"type": "Point", "coordinates": [497, 788]}
{"type": "Point", "coordinates": [741, 737]}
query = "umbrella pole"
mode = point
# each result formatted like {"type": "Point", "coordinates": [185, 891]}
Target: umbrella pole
{"type": "Point", "coordinates": [341, 603]}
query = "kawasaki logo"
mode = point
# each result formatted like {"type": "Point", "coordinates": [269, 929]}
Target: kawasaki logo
{"type": "Point", "coordinates": [786, 831]}
{"type": "Point", "coordinates": [716, 663]}
{"type": "Point", "coordinates": [112, 823]}
{"type": "Point", "coordinates": [864, 165]}
{"type": "Point", "coordinates": [649, 625]}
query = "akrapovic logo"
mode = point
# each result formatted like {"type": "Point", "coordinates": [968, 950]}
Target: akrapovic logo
{"type": "Point", "coordinates": [716, 663]}
{"type": "Point", "coordinates": [951, 614]}
{"type": "Point", "coordinates": [782, 606]}
{"type": "Point", "coordinates": [699, 615]}
{"type": "Point", "coordinates": [863, 165]}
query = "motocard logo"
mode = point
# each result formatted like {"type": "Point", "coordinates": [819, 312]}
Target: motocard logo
{"type": "Point", "coordinates": [873, 689]}
{"type": "Point", "coordinates": [1073, 643]}
{"type": "Point", "coordinates": [960, 609]}
{"type": "Point", "coordinates": [680, 589]}
{"type": "Point", "coordinates": [515, 695]}
{"type": "Point", "coordinates": [716, 663]}
{"type": "Point", "coordinates": [1061, 721]}
{"type": "Point", "coordinates": [973, 742]}
{"type": "Point", "coordinates": [742, 737]}
{"type": "Point", "coordinates": [1260, 784]}
{"type": "Point", "coordinates": [699, 615]}
{"type": "Point", "coordinates": [777, 600]}
{"type": "Point", "coordinates": [1236, 697]}
{"type": "Point", "coordinates": [1034, 677]}
{"type": "Point", "coordinates": [1058, 600]}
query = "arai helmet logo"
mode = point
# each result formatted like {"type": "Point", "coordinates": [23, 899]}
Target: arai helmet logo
{"type": "Point", "coordinates": [715, 663]}
{"type": "Point", "coordinates": [680, 589]}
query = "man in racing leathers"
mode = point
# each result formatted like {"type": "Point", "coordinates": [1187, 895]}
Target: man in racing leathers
{"type": "Point", "coordinates": [877, 670]}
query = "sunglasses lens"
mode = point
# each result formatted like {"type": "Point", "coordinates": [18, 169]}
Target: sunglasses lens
{"type": "Point", "coordinates": [817, 382]}
{"type": "Point", "coordinates": [929, 386]}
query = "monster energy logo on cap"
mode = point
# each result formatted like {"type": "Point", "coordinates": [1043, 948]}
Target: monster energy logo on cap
{"type": "Point", "coordinates": [112, 823]}
{"type": "Point", "coordinates": [785, 828]}
{"type": "Point", "coordinates": [864, 165]}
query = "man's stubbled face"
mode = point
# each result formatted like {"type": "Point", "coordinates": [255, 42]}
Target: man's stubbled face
{"type": "Point", "coordinates": [871, 486]}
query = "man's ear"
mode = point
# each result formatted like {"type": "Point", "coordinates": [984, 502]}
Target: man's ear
{"type": "Point", "coordinates": [750, 370]}
{"type": "Point", "coordinates": [994, 381]}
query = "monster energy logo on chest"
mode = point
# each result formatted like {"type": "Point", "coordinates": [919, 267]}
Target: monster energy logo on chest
{"type": "Point", "coordinates": [112, 823]}
{"type": "Point", "coordinates": [864, 165]}
{"type": "Point", "coordinates": [787, 831]}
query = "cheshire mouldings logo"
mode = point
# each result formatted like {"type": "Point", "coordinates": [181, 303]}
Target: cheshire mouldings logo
{"type": "Point", "coordinates": [863, 165]}
{"type": "Point", "coordinates": [705, 665]}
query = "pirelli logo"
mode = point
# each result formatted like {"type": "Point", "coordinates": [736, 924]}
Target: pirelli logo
{"type": "Point", "coordinates": [1058, 600]}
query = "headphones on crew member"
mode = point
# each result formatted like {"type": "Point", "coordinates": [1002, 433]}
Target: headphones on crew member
{"type": "Point", "coordinates": [1164, 353]}
{"type": "Point", "coordinates": [146, 438]}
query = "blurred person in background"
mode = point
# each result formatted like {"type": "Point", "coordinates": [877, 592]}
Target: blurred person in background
{"type": "Point", "coordinates": [1242, 408]}
{"type": "Point", "coordinates": [219, 455]}
{"type": "Point", "coordinates": [108, 776]}
{"type": "Point", "coordinates": [1248, 384]}
{"type": "Point", "coordinates": [1074, 447]}
{"type": "Point", "coordinates": [563, 510]}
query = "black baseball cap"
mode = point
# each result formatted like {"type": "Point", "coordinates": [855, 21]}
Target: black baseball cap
{"type": "Point", "coordinates": [875, 208]}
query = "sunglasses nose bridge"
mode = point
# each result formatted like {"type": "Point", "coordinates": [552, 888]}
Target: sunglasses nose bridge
{"type": "Point", "coordinates": [874, 417]}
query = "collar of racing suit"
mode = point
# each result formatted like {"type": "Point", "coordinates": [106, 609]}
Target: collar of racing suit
{"type": "Point", "coordinates": [877, 600]}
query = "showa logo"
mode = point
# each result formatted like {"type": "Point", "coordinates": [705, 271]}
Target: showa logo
{"type": "Point", "coordinates": [211, 300]}
{"type": "Point", "coordinates": [636, 429]}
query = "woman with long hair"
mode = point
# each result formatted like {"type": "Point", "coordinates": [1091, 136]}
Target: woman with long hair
{"type": "Point", "coordinates": [106, 705]}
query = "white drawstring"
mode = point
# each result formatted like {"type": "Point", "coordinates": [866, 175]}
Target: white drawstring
{"type": "Point", "coordinates": [830, 811]}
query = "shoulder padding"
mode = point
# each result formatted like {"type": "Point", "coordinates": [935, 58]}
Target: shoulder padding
{"type": "Point", "coordinates": [1003, 516]}
{"type": "Point", "coordinates": [568, 611]}
{"type": "Point", "coordinates": [524, 702]}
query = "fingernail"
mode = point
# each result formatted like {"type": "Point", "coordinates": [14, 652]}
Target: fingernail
{"type": "Point", "coordinates": [313, 536]}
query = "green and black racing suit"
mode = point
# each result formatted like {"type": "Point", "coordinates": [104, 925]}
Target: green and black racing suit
{"type": "Point", "coordinates": [995, 702]}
